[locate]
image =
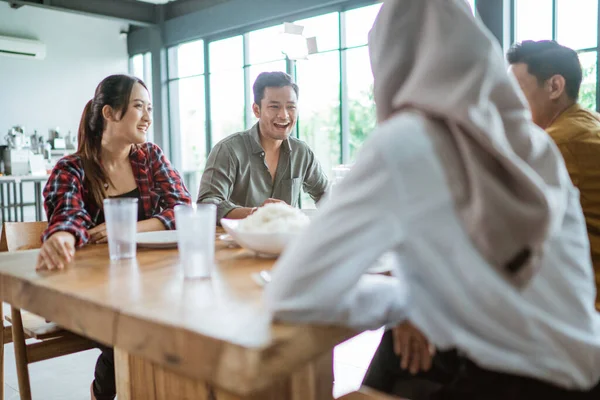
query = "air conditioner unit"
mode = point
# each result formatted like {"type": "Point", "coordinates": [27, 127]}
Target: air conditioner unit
{"type": "Point", "coordinates": [24, 48]}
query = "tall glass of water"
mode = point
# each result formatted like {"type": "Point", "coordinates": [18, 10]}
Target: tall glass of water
{"type": "Point", "coordinates": [121, 226]}
{"type": "Point", "coordinates": [339, 172]}
{"type": "Point", "coordinates": [196, 239]}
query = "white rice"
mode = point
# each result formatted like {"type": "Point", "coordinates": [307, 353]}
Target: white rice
{"type": "Point", "coordinates": [275, 217]}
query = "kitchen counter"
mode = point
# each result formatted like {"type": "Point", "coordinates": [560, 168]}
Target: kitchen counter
{"type": "Point", "coordinates": [12, 204]}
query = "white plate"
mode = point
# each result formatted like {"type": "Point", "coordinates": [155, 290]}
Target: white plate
{"type": "Point", "coordinates": [157, 239]}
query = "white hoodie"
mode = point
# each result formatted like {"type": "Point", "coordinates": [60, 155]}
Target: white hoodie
{"type": "Point", "coordinates": [401, 196]}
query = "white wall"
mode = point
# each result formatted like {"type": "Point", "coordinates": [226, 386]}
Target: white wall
{"type": "Point", "coordinates": [49, 93]}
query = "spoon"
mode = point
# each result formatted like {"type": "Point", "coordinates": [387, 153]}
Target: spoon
{"type": "Point", "coordinates": [262, 278]}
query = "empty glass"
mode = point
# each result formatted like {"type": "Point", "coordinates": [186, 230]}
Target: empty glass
{"type": "Point", "coordinates": [339, 172]}
{"type": "Point", "coordinates": [121, 226]}
{"type": "Point", "coordinates": [196, 239]}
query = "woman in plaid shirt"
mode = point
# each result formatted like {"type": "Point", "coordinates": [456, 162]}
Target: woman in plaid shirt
{"type": "Point", "coordinates": [113, 159]}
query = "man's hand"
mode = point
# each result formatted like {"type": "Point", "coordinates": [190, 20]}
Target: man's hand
{"type": "Point", "coordinates": [98, 234]}
{"type": "Point", "coordinates": [243, 212]}
{"type": "Point", "coordinates": [413, 348]}
{"type": "Point", "coordinates": [56, 252]}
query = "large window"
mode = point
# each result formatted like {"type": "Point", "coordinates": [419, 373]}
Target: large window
{"type": "Point", "coordinates": [319, 107]}
{"type": "Point", "coordinates": [359, 79]}
{"type": "Point", "coordinates": [188, 110]}
{"type": "Point", "coordinates": [140, 65]}
{"type": "Point", "coordinates": [571, 23]}
{"type": "Point", "coordinates": [227, 100]}
{"type": "Point", "coordinates": [361, 107]}
{"type": "Point", "coordinates": [319, 80]}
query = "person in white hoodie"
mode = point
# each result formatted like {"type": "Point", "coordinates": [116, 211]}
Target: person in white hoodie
{"type": "Point", "coordinates": [476, 203]}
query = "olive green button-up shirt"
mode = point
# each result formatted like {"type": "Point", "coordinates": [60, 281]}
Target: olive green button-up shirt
{"type": "Point", "coordinates": [237, 175]}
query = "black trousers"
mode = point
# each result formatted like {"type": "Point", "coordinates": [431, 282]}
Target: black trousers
{"type": "Point", "coordinates": [105, 385]}
{"type": "Point", "coordinates": [453, 377]}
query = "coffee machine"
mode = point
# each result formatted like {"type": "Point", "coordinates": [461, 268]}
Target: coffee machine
{"type": "Point", "coordinates": [16, 151]}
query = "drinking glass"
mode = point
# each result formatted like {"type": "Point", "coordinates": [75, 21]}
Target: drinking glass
{"type": "Point", "coordinates": [196, 239]}
{"type": "Point", "coordinates": [121, 226]}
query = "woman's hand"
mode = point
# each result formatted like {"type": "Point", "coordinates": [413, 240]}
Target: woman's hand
{"type": "Point", "coordinates": [57, 251]}
{"type": "Point", "coordinates": [98, 234]}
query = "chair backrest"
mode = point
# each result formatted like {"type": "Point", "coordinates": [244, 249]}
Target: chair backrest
{"type": "Point", "coordinates": [368, 394]}
{"type": "Point", "coordinates": [22, 235]}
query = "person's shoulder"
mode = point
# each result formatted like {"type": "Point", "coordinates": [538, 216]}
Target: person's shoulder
{"type": "Point", "coordinates": [297, 143]}
{"type": "Point", "coordinates": [68, 168]}
{"type": "Point", "coordinates": [591, 118]}
{"type": "Point", "coordinates": [576, 125]}
{"type": "Point", "coordinates": [147, 153]}
{"type": "Point", "coordinates": [579, 116]}
{"type": "Point", "coordinates": [69, 163]}
{"type": "Point", "coordinates": [232, 147]}
{"type": "Point", "coordinates": [145, 149]}
{"type": "Point", "coordinates": [233, 139]}
{"type": "Point", "coordinates": [586, 112]}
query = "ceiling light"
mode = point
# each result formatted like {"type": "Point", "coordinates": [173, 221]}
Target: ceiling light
{"type": "Point", "coordinates": [294, 45]}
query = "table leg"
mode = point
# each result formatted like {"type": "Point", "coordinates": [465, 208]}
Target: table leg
{"type": "Point", "coordinates": [138, 378]}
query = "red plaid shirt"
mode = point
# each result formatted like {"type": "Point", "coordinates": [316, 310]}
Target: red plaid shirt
{"type": "Point", "coordinates": [69, 207]}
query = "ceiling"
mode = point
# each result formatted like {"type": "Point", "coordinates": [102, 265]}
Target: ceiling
{"type": "Point", "coordinates": [135, 12]}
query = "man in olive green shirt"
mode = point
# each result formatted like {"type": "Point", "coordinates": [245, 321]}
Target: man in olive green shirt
{"type": "Point", "coordinates": [263, 164]}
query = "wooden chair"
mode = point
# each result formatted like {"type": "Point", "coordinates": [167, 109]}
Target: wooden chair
{"type": "Point", "coordinates": [368, 394]}
{"type": "Point", "coordinates": [51, 340]}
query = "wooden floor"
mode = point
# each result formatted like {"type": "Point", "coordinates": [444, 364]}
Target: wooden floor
{"type": "Point", "coordinates": [69, 378]}
{"type": "Point", "coordinates": [351, 360]}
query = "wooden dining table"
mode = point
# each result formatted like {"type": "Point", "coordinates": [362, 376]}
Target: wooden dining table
{"type": "Point", "coordinates": [208, 339]}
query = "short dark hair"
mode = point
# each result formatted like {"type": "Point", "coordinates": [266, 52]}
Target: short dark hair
{"type": "Point", "coordinates": [547, 58]}
{"type": "Point", "coordinates": [271, 79]}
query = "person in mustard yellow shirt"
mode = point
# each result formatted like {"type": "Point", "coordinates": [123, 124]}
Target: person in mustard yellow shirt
{"type": "Point", "coordinates": [550, 76]}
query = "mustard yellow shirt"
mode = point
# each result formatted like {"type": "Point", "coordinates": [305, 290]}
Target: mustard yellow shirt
{"type": "Point", "coordinates": [577, 133]}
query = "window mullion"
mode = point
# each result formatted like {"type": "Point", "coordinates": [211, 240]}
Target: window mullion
{"type": "Point", "coordinates": [207, 105]}
{"type": "Point", "coordinates": [344, 110]}
{"type": "Point", "coordinates": [554, 18]}
{"type": "Point", "coordinates": [248, 100]}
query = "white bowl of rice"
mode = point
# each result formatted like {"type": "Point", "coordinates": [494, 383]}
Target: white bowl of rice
{"type": "Point", "coordinates": [268, 230]}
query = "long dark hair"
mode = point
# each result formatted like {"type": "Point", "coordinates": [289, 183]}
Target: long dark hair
{"type": "Point", "coordinates": [113, 91]}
